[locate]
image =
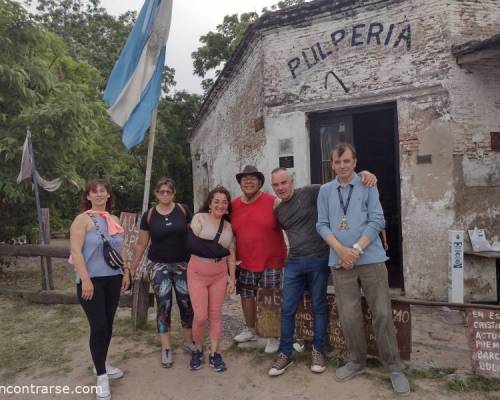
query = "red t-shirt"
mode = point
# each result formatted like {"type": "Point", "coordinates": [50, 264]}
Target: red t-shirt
{"type": "Point", "coordinates": [259, 240]}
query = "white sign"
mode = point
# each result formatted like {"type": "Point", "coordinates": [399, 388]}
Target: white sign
{"type": "Point", "coordinates": [456, 267]}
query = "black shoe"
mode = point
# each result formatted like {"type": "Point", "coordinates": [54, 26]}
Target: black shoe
{"type": "Point", "coordinates": [196, 360]}
{"type": "Point", "coordinates": [216, 362]}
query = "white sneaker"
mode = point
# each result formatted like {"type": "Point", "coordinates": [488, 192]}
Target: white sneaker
{"type": "Point", "coordinates": [113, 372]}
{"type": "Point", "coordinates": [298, 346]}
{"type": "Point", "coordinates": [245, 335]}
{"type": "Point", "coordinates": [102, 390]}
{"type": "Point", "coordinates": [272, 345]}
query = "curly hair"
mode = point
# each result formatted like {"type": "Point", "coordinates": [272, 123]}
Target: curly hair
{"type": "Point", "coordinates": [206, 204]}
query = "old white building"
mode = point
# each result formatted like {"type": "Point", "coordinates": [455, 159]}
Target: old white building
{"type": "Point", "coordinates": [414, 84]}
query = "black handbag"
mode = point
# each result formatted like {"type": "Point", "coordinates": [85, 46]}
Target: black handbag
{"type": "Point", "coordinates": [205, 247]}
{"type": "Point", "coordinates": [112, 257]}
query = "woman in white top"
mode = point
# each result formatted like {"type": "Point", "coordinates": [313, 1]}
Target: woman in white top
{"type": "Point", "coordinates": [210, 279]}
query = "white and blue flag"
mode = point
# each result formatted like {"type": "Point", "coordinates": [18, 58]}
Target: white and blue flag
{"type": "Point", "coordinates": [134, 86]}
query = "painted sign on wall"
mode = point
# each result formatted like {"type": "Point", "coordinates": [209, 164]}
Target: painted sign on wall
{"type": "Point", "coordinates": [358, 35]}
{"type": "Point", "coordinates": [268, 322]}
{"type": "Point", "coordinates": [484, 341]}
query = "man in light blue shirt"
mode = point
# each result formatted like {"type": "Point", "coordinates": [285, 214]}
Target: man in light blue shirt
{"type": "Point", "coordinates": [350, 218]}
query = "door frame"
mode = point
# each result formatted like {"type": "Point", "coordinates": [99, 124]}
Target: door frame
{"type": "Point", "coordinates": [315, 118]}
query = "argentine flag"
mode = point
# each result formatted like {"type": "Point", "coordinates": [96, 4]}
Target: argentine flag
{"type": "Point", "coordinates": [134, 86]}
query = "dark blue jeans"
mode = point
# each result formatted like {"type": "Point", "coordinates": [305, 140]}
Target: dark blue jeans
{"type": "Point", "coordinates": [313, 272]}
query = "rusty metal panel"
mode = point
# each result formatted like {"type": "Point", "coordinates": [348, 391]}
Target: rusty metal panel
{"type": "Point", "coordinates": [268, 322]}
{"type": "Point", "coordinates": [484, 341]}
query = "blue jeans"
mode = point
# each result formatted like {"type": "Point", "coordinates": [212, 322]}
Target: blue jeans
{"type": "Point", "coordinates": [313, 272]}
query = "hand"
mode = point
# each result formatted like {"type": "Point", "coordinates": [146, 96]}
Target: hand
{"type": "Point", "coordinates": [135, 274]}
{"type": "Point", "coordinates": [368, 179]}
{"type": "Point", "coordinates": [231, 286]}
{"type": "Point", "coordinates": [345, 265]}
{"type": "Point", "coordinates": [87, 289]}
{"type": "Point", "coordinates": [347, 255]}
{"type": "Point", "coordinates": [126, 279]}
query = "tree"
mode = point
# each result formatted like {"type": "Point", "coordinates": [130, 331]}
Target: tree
{"type": "Point", "coordinates": [77, 22]}
{"type": "Point", "coordinates": [43, 87]}
{"type": "Point", "coordinates": [218, 46]}
{"type": "Point", "coordinates": [89, 32]}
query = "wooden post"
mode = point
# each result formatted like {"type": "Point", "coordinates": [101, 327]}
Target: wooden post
{"type": "Point", "coordinates": [47, 260]}
{"type": "Point", "coordinates": [45, 275]}
{"type": "Point", "coordinates": [140, 303]}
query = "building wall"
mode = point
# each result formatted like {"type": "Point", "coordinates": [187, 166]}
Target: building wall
{"type": "Point", "coordinates": [231, 134]}
{"type": "Point", "coordinates": [444, 111]}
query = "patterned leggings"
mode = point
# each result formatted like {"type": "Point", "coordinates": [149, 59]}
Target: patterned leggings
{"type": "Point", "coordinates": [164, 277]}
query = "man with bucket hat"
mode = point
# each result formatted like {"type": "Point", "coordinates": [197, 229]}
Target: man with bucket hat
{"type": "Point", "coordinates": [260, 247]}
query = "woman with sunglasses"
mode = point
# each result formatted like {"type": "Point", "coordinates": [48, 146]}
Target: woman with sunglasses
{"type": "Point", "coordinates": [164, 227]}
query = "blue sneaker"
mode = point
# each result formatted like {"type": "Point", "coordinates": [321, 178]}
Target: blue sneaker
{"type": "Point", "coordinates": [216, 362]}
{"type": "Point", "coordinates": [196, 360]}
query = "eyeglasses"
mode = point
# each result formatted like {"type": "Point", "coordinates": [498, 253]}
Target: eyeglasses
{"type": "Point", "coordinates": [250, 178]}
{"type": "Point", "coordinates": [164, 192]}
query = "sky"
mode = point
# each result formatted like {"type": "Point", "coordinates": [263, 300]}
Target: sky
{"type": "Point", "coordinates": [190, 20]}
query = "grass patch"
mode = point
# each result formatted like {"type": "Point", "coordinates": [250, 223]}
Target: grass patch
{"type": "Point", "coordinates": [431, 373]}
{"type": "Point", "coordinates": [36, 336]}
{"type": "Point", "coordinates": [474, 383]}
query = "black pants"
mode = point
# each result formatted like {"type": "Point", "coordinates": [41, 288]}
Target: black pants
{"type": "Point", "coordinates": [100, 312]}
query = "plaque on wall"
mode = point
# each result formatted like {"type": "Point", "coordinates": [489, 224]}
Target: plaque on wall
{"type": "Point", "coordinates": [286, 162]}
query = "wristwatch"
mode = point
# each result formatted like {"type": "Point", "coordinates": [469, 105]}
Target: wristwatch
{"type": "Point", "coordinates": [357, 247]}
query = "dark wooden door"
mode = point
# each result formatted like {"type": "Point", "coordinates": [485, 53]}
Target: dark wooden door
{"type": "Point", "coordinates": [373, 131]}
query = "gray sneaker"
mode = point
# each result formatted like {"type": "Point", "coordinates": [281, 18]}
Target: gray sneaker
{"type": "Point", "coordinates": [280, 365]}
{"type": "Point", "coordinates": [189, 347]}
{"type": "Point", "coordinates": [318, 362]}
{"type": "Point", "coordinates": [166, 358]}
{"type": "Point", "coordinates": [348, 371]}
{"type": "Point", "coordinates": [400, 384]}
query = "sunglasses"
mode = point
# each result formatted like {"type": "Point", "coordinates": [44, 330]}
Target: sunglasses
{"type": "Point", "coordinates": [164, 192]}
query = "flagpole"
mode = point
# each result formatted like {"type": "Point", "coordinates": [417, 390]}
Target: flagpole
{"type": "Point", "coordinates": [45, 271]}
{"type": "Point", "coordinates": [149, 161]}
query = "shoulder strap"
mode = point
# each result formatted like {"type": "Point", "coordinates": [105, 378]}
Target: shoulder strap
{"type": "Point", "coordinates": [221, 226]}
{"type": "Point", "coordinates": [148, 218]}
{"type": "Point", "coordinates": [94, 220]}
{"type": "Point", "coordinates": [183, 209]}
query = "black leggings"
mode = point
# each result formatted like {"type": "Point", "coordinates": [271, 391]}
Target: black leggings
{"type": "Point", "coordinates": [100, 312]}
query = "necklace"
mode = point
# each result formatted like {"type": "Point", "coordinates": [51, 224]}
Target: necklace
{"type": "Point", "coordinates": [167, 215]}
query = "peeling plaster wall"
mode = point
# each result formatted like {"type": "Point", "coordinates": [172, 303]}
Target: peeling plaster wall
{"type": "Point", "coordinates": [227, 140]}
{"type": "Point", "coordinates": [443, 110]}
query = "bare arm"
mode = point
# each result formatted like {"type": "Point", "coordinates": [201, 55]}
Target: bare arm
{"type": "Point", "coordinates": [77, 233]}
{"type": "Point", "coordinates": [140, 246]}
{"type": "Point", "coordinates": [231, 265]}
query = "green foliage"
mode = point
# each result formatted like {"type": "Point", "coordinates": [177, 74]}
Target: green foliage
{"type": "Point", "coordinates": [53, 67]}
{"type": "Point", "coordinates": [218, 46]}
{"type": "Point", "coordinates": [89, 32]}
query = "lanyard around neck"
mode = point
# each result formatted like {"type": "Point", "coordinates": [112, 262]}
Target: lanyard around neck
{"type": "Point", "coordinates": [345, 206]}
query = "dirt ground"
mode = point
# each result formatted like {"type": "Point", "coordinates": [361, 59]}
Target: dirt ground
{"type": "Point", "coordinates": [47, 345]}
